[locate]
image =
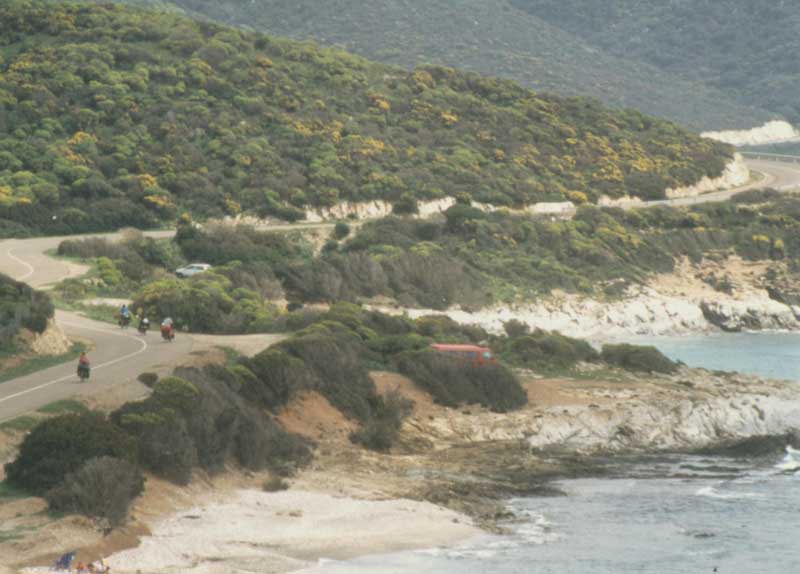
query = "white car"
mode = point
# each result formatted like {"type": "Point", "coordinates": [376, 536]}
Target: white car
{"type": "Point", "coordinates": [192, 269]}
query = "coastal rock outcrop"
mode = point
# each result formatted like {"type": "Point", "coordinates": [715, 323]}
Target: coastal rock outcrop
{"type": "Point", "coordinates": [691, 410]}
{"type": "Point", "coordinates": [736, 316]}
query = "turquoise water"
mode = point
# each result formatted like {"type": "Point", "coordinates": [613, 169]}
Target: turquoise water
{"type": "Point", "coordinates": [775, 355]}
{"type": "Point", "coordinates": [674, 514]}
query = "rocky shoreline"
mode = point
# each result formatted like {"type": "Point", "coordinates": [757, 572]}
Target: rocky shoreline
{"type": "Point", "coordinates": [732, 296]}
{"type": "Point", "coordinates": [446, 480]}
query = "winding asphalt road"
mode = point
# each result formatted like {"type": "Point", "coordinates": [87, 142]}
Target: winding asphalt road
{"type": "Point", "coordinates": [119, 356]}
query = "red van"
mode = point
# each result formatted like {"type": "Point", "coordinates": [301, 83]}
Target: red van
{"type": "Point", "coordinates": [473, 353]}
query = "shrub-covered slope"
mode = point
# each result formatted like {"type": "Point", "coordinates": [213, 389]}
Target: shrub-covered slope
{"type": "Point", "coordinates": [474, 259]}
{"type": "Point", "coordinates": [746, 49]}
{"type": "Point", "coordinates": [113, 116]}
{"type": "Point", "coordinates": [496, 37]}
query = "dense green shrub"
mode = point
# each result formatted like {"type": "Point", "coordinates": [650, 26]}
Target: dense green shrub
{"type": "Point", "coordinates": [148, 379]}
{"type": "Point", "coordinates": [638, 358]}
{"type": "Point", "coordinates": [515, 328]}
{"type": "Point", "coordinates": [635, 48]}
{"type": "Point", "coordinates": [207, 302]}
{"type": "Point", "coordinates": [273, 376]}
{"type": "Point", "coordinates": [164, 444]}
{"type": "Point", "coordinates": [453, 382]}
{"type": "Point", "coordinates": [756, 196]}
{"type": "Point", "coordinates": [198, 418]}
{"type": "Point", "coordinates": [544, 350]}
{"type": "Point", "coordinates": [341, 230]}
{"type": "Point", "coordinates": [102, 487]}
{"type": "Point", "coordinates": [61, 445]}
{"type": "Point", "coordinates": [444, 329]}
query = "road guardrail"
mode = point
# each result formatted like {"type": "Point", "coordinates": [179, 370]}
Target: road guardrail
{"type": "Point", "coordinates": [771, 156]}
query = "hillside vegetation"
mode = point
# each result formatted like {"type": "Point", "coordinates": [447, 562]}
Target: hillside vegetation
{"type": "Point", "coordinates": [21, 308]}
{"type": "Point", "coordinates": [466, 257]}
{"type": "Point", "coordinates": [475, 259]}
{"type": "Point", "coordinates": [113, 116]}
{"type": "Point", "coordinates": [746, 49]}
{"type": "Point", "coordinates": [495, 37]}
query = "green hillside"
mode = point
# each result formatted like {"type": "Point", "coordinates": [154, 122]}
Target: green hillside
{"type": "Point", "coordinates": [747, 49]}
{"type": "Point", "coordinates": [493, 37]}
{"type": "Point", "coordinates": [111, 116]}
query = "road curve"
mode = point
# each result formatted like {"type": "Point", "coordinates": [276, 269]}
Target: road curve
{"type": "Point", "coordinates": [778, 175]}
{"type": "Point", "coordinates": [118, 356]}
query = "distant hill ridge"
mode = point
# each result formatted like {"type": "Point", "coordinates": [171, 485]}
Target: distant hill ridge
{"type": "Point", "coordinates": [746, 49]}
{"type": "Point", "coordinates": [113, 116]}
{"type": "Point", "coordinates": [506, 38]}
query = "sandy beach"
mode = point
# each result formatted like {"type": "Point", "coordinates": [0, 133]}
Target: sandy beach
{"type": "Point", "coordinates": [265, 532]}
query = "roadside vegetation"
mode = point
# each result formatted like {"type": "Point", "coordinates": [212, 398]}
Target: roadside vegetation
{"type": "Point", "coordinates": [465, 257]}
{"type": "Point", "coordinates": [32, 363]}
{"type": "Point", "coordinates": [119, 117]}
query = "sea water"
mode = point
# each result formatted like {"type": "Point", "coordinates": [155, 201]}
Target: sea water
{"type": "Point", "coordinates": [770, 354]}
{"type": "Point", "coordinates": [664, 514]}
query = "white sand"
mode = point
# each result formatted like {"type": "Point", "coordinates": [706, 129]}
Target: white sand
{"type": "Point", "coordinates": [279, 532]}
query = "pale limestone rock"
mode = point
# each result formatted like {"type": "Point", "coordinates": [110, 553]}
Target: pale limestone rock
{"type": "Point", "coordinates": [772, 132]}
{"type": "Point", "coordinates": [736, 174]}
{"type": "Point", "coordinates": [52, 341]}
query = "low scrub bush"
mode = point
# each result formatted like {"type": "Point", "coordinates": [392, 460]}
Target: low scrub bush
{"type": "Point", "coordinates": [453, 381]}
{"type": "Point", "coordinates": [124, 265]}
{"type": "Point", "coordinates": [380, 430]}
{"type": "Point", "coordinates": [756, 196]}
{"type": "Point", "coordinates": [102, 487]}
{"type": "Point", "coordinates": [262, 444]}
{"type": "Point", "coordinates": [148, 379]}
{"type": "Point", "coordinates": [275, 484]}
{"type": "Point", "coordinates": [444, 329]}
{"type": "Point", "coordinates": [61, 445]}
{"type": "Point", "coordinates": [638, 358]}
